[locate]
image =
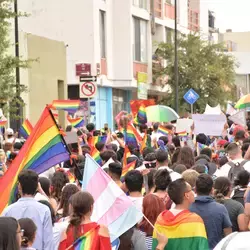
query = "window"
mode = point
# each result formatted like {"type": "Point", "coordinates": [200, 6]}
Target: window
{"type": "Point", "coordinates": [140, 40]}
{"type": "Point", "coordinates": [140, 4]}
{"type": "Point", "coordinates": [103, 33]}
{"type": "Point", "coordinates": [169, 35]}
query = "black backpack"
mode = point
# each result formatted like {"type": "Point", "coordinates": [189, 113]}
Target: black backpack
{"type": "Point", "coordinates": [235, 169]}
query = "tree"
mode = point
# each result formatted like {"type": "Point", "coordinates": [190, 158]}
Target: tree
{"type": "Point", "coordinates": [8, 61]}
{"type": "Point", "coordinates": [203, 66]}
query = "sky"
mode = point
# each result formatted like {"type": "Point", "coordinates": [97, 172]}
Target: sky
{"type": "Point", "coordinates": [230, 14]}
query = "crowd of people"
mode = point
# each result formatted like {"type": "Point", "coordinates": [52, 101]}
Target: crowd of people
{"type": "Point", "coordinates": [193, 191]}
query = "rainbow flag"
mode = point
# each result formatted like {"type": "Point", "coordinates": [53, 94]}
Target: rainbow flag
{"type": "Point", "coordinates": [131, 135]}
{"type": "Point", "coordinates": [200, 146]}
{"type": "Point", "coordinates": [146, 142]}
{"type": "Point", "coordinates": [43, 149]}
{"type": "Point", "coordinates": [186, 230]}
{"type": "Point", "coordinates": [94, 139]}
{"type": "Point", "coordinates": [71, 176]}
{"type": "Point", "coordinates": [164, 130]}
{"type": "Point", "coordinates": [3, 123]}
{"type": "Point", "coordinates": [128, 168]}
{"type": "Point", "coordinates": [26, 129]}
{"type": "Point", "coordinates": [183, 134]}
{"type": "Point", "coordinates": [126, 154]}
{"type": "Point", "coordinates": [96, 155]}
{"type": "Point", "coordinates": [76, 122]}
{"type": "Point", "coordinates": [67, 105]}
{"type": "Point", "coordinates": [141, 117]}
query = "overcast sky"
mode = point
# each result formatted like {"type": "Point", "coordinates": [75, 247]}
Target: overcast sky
{"type": "Point", "coordinates": [230, 14]}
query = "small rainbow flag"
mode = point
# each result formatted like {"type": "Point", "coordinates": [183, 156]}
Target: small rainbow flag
{"type": "Point", "coordinates": [128, 168]}
{"type": "Point", "coordinates": [145, 142]}
{"type": "Point", "coordinates": [141, 117]}
{"type": "Point", "coordinates": [183, 134]}
{"type": "Point", "coordinates": [71, 176]}
{"type": "Point", "coordinates": [96, 155]}
{"type": "Point", "coordinates": [26, 129]}
{"type": "Point", "coordinates": [131, 135]}
{"type": "Point", "coordinates": [125, 155]}
{"type": "Point", "coordinates": [164, 130]}
{"type": "Point", "coordinates": [76, 122]}
{"type": "Point", "coordinates": [3, 123]}
{"type": "Point", "coordinates": [67, 105]}
{"type": "Point", "coordinates": [94, 139]}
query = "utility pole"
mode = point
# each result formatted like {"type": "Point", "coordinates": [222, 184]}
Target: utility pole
{"type": "Point", "coordinates": [176, 61]}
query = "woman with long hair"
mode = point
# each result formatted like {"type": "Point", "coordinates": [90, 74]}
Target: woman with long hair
{"type": "Point", "coordinates": [152, 207]}
{"type": "Point", "coordinates": [10, 234]}
{"type": "Point", "coordinates": [81, 225]}
{"type": "Point", "coordinates": [186, 157]}
{"type": "Point", "coordinates": [222, 192]}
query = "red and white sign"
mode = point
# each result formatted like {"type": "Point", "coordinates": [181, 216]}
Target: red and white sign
{"type": "Point", "coordinates": [88, 89]}
{"type": "Point", "coordinates": [83, 69]}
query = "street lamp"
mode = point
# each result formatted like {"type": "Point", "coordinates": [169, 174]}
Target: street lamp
{"type": "Point", "coordinates": [176, 61]}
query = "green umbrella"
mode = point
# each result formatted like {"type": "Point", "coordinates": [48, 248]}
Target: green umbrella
{"type": "Point", "coordinates": [160, 113]}
{"type": "Point", "coordinates": [244, 102]}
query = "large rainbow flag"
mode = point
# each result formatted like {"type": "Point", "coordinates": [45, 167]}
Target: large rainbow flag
{"type": "Point", "coordinates": [186, 230]}
{"type": "Point", "coordinates": [26, 129]}
{"type": "Point", "coordinates": [43, 149]}
{"type": "Point", "coordinates": [94, 139]}
{"type": "Point", "coordinates": [66, 105]}
{"type": "Point", "coordinates": [141, 117]}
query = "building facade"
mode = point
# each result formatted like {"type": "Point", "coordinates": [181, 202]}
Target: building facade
{"type": "Point", "coordinates": [116, 38]}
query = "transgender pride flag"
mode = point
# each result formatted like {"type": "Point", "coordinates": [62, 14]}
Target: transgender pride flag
{"type": "Point", "coordinates": [112, 207]}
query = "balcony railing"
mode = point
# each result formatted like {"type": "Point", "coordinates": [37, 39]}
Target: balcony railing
{"type": "Point", "coordinates": [140, 67]}
{"type": "Point", "coordinates": [193, 20]}
{"type": "Point", "coordinates": [103, 66]}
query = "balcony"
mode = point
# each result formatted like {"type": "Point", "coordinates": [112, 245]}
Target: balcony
{"type": "Point", "coordinates": [158, 8]}
{"type": "Point", "coordinates": [140, 67]}
{"type": "Point", "coordinates": [103, 66]}
{"type": "Point", "coordinates": [169, 11]}
{"type": "Point", "coordinates": [193, 20]}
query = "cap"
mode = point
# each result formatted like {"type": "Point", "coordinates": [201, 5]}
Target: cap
{"type": "Point", "coordinates": [9, 131]}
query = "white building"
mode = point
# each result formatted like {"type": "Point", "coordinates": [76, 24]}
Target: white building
{"type": "Point", "coordinates": [116, 38]}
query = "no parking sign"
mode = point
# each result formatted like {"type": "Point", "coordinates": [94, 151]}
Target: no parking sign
{"type": "Point", "coordinates": [88, 89]}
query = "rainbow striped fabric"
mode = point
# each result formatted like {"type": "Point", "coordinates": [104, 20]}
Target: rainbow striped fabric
{"type": "Point", "coordinates": [3, 123]}
{"type": "Point", "coordinates": [146, 142]}
{"type": "Point", "coordinates": [131, 135]}
{"type": "Point", "coordinates": [76, 122]}
{"type": "Point", "coordinates": [112, 207]}
{"type": "Point", "coordinates": [164, 131]}
{"type": "Point", "coordinates": [183, 134]}
{"type": "Point", "coordinates": [67, 105]}
{"type": "Point", "coordinates": [26, 129]}
{"type": "Point", "coordinates": [126, 154]}
{"type": "Point", "coordinates": [186, 230]}
{"type": "Point", "coordinates": [96, 155]}
{"type": "Point", "coordinates": [94, 139]}
{"type": "Point", "coordinates": [43, 149]}
{"type": "Point", "coordinates": [128, 168]}
{"type": "Point", "coordinates": [141, 117]}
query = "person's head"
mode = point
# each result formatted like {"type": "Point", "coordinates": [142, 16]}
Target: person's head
{"type": "Point", "coordinates": [190, 176]}
{"type": "Point", "coordinates": [244, 148]}
{"type": "Point", "coordinates": [45, 185]}
{"type": "Point", "coordinates": [234, 151]}
{"type": "Point", "coordinates": [107, 154]}
{"type": "Point", "coordinates": [8, 146]}
{"type": "Point", "coordinates": [162, 180]}
{"type": "Point", "coordinates": [143, 128]}
{"type": "Point", "coordinates": [180, 192]}
{"type": "Point", "coordinates": [206, 151]}
{"type": "Point", "coordinates": [150, 160]}
{"type": "Point", "coordinates": [175, 156]}
{"type": "Point", "coordinates": [100, 146]}
{"type": "Point", "coordinates": [29, 231]}
{"type": "Point", "coordinates": [242, 179]}
{"type": "Point", "coordinates": [204, 185]}
{"type": "Point", "coordinates": [186, 157]}
{"type": "Point", "coordinates": [134, 150]}
{"type": "Point", "coordinates": [28, 182]}
{"type": "Point", "coordinates": [151, 179]}
{"type": "Point", "coordinates": [155, 126]}
{"type": "Point", "coordinates": [113, 147]}
{"type": "Point", "coordinates": [239, 136]}
{"type": "Point", "coordinates": [67, 192]}
{"type": "Point", "coordinates": [9, 133]}
{"type": "Point", "coordinates": [202, 157]}
{"type": "Point", "coordinates": [69, 128]}
{"type": "Point", "coordinates": [90, 127]}
{"type": "Point", "coordinates": [146, 151]}
{"type": "Point", "coordinates": [152, 206]}
{"type": "Point", "coordinates": [222, 161]}
{"type": "Point", "coordinates": [164, 139]}
{"type": "Point", "coordinates": [115, 170]}
{"type": "Point", "coordinates": [222, 188]}
{"type": "Point", "coordinates": [52, 211]}
{"type": "Point", "coordinates": [82, 206]}
{"type": "Point", "coordinates": [180, 168]}
{"type": "Point", "coordinates": [200, 168]}
{"type": "Point", "coordinates": [201, 138]}
{"type": "Point", "coordinates": [58, 181]}
{"type": "Point", "coordinates": [120, 135]}
{"type": "Point", "coordinates": [176, 141]}
{"type": "Point", "coordinates": [10, 234]}
{"type": "Point", "coordinates": [17, 146]}
{"type": "Point", "coordinates": [161, 158]}
{"type": "Point", "coordinates": [134, 181]}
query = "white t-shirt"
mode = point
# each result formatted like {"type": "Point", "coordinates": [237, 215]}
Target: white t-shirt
{"type": "Point", "coordinates": [174, 175]}
{"type": "Point", "coordinates": [137, 202]}
{"type": "Point", "coordinates": [40, 197]}
{"type": "Point", "coordinates": [58, 230]}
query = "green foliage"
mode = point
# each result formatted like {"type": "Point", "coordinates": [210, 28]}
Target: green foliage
{"type": "Point", "coordinates": [8, 61]}
{"type": "Point", "coordinates": [202, 66]}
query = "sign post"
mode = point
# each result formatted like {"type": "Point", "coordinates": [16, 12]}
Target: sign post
{"type": "Point", "coordinates": [88, 86]}
{"type": "Point", "coordinates": [191, 97]}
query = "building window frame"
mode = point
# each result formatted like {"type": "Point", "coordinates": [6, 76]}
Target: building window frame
{"type": "Point", "coordinates": [103, 33]}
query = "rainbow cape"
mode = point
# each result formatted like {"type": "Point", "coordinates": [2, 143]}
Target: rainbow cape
{"type": "Point", "coordinates": [67, 105]}
{"type": "Point", "coordinates": [76, 122]}
{"type": "Point", "coordinates": [164, 130]}
{"type": "Point", "coordinates": [26, 129]}
{"type": "Point", "coordinates": [131, 135]}
{"type": "Point", "coordinates": [185, 231]}
{"type": "Point", "coordinates": [94, 139]}
{"type": "Point", "coordinates": [43, 149]}
{"type": "Point", "coordinates": [128, 168]}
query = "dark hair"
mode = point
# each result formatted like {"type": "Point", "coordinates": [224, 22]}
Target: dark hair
{"type": "Point", "coordinates": [204, 184]}
{"type": "Point", "coordinates": [232, 148]}
{"type": "Point", "coordinates": [126, 240]}
{"type": "Point", "coordinates": [134, 181]}
{"type": "Point", "coordinates": [120, 135]}
{"type": "Point", "coordinates": [161, 156]}
{"type": "Point", "coordinates": [151, 158]}
{"type": "Point", "coordinates": [223, 160]}
{"type": "Point", "coordinates": [90, 127]}
{"type": "Point", "coordinates": [116, 169]}
{"type": "Point", "coordinates": [52, 212]}
{"type": "Point", "coordinates": [240, 135]}
{"type": "Point", "coordinates": [106, 155]}
{"type": "Point", "coordinates": [222, 187]}
{"type": "Point", "coordinates": [100, 146]}
{"type": "Point", "coordinates": [202, 156]}
{"type": "Point", "coordinates": [155, 126]}
{"type": "Point", "coordinates": [200, 168]}
{"type": "Point", "coordinates": [68, 128]}
{"type": "Point", "coordinates": [8, 233]}
{"type": "Point", "coordinates": [162, 179]}
{"type": "Point", "coordinates": [244, 148]}
{"type": "Point", "coordinates": [146, 151]}
{"type": "Point", "coordinates": [186, 157]}
{"type": "Point", "coordinates": [45, 184]}
{"type": "Point", "coordinates": [180, 168]}
{"type": "Point", "coordinates": [17, 145]}
{"type": "Point", "coordinates": [82, 203]}
{"type": "Point", "coordinates": [143, 128]}
{"type": "Point", "coordinates": [28, 180]}
{"type": "Point", "coordinates": [171, 149]}
{"type": "Point", "coordinates": [164, 139]}
{"type": "Point", "coordinates": [113, 146]}
{"type": "Point", "coordinates": [242, 178]}
{"type": "Point", "coordinates": [207, 152]}
{"type": "Point", "coordinates": [29, 233]}
{"type": "Point", "coordinates": [176, 141]}
{"type": "Point", "coordinates": [175, 156]}
{"type": "Point", "coordinates": [176, 191]}
{"type": "Point", "coordinates": [67, 192]}
{"type": "Point", "coordinates": [201, 138]}
{"type": "Point", "coordinates": [151, 179]}
{"type": "Point", "coordinates": [246, 140]}
{"type": "Point", "coordinates": [58, 181]}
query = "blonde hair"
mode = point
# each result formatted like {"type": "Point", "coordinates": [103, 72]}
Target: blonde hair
{"type": "Point", "coordinates": [190, 176]}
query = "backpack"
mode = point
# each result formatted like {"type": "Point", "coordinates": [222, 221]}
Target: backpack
{"type": "Point", "coordinates": [235, 169]}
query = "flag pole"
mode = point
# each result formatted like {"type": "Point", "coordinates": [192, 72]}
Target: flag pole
{"type": "Point", "coordinates": [66, 145]}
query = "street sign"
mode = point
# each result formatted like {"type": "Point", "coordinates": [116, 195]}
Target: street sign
{"type": "Point", "coordinates": [191, 97]}
{"type": "Point", "coordinates": [83, 69]}
{"type": "Point", "coordinates": [88, 89]}
{"type": "Point", "coordinates": [88, 78]}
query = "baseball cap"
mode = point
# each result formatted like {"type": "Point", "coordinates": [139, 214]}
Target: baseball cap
{"type": "Point", "coordinates": [9, 131]}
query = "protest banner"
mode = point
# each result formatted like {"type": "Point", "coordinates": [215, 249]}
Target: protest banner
{"type": "Point", "coordinates": [184, 125]}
